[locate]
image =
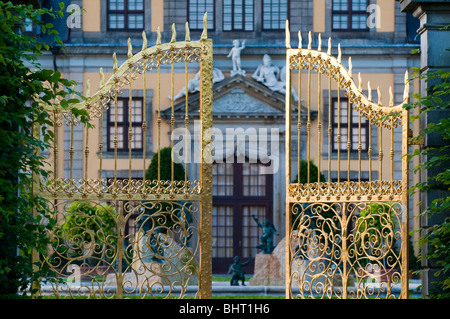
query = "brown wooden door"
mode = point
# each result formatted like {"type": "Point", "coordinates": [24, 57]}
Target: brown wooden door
{"type": "Point", "coordinates": [239, 191]}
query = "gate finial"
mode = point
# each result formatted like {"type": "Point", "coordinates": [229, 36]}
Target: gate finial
{"type": "Point", "coordinates": [359, 82]}
{"type": "Point", "coordinates": [350, 67]}
{"type": "Point", "coordinates": [391, 97]}
{"type": "Point", "coordinates": [88, 88]}
{"type": "Point", "coordinates": [158, 36]}
{"type": "Point", "coordinates": [102, 77]}
{"type": "Point", "coordinates": [174, 34]}
{"type": "Point", "coordinates": [130, 49]}
{"type": "Point", "coordinates": [309, 40]}
{"type": "Point", "coordinates": [329, 46]}
{"type": "Point", "coordinates": [288, 35]}
{"type": "Point", "coordinates": [339, 53]}
{"type": "Point", "coordinates": [406, 91]}
{"type": "Point", "coordinates": [187, 37]}
{"type": "Point", "coordinates": [115, 62]}
{"type": "Point", "coordinates": [319, 46]}
{"type": "Point", "coordinates": [205, 26]}
{"type": "Point", "coordinates": [144, 40]}
{"type": "Point", "coordinates": [369, 89]}
{"type": "Point", "coordinates": [379, 95]}
{"type": "Point", "coordinates": [299, 39]}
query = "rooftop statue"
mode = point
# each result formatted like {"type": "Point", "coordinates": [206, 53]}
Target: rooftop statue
{"type": "Point", "coordinates": [267, 73]}
{"type": "Point", "coordinates": [194, 83]}
{"type": "Point", "coordinates": [235, 54]}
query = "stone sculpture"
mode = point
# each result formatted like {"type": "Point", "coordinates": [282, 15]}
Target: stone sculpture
{"type": "Point", "coordinates": [194, 83]}
{"type": "Point", "coordinates": [235, 54]}
{"type": "Point", "coordinates": [267, 73]}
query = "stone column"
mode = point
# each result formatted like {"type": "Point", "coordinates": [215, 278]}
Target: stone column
{"type": "Point", "coordinates": [434, 41]}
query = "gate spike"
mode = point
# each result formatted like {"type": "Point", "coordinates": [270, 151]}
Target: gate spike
{"type": "Point", "coordinates": [174, 34]}
{"type": "Point", "coordinates": [288, 35]}
{"type": "Point", "coordinates": [391, 97]}
{"type": "Point", "coordinates": [329, 46]}
{"type": "Point", "coordinates": [350, 67]}
{"type": "Point", "coordinates": [339, 53]}
{"type": "Point", "coordinates": [379, 95]}
{"type": "Point", "coordinates": [309, 40]}
{"type": "Point", "coordinates": [319, 47]}
{"type": "Point", "coordinates": [130, 49]}
{"type": "Point", "coordinates": [205, 27]}
{"type": "Point", "coordinates": [88, 88]}
{"type": "Point", "coordinates": [188, 32]}
{"type": "Point", "coordinates": [158, 36]}
{"type": "Point", "coordinates": [299, 39]}
{"type": "Point", "coordinates": [102, 77]}
{"type": "Point", "coordinates": [144, 40]}
{"type": "Point", "coordinates": [359, 82]}
{"type": "Point", "coordinates": [406, 91]}
{"type": "Point", "coordinates": [115, 62]}
{"type": "Point", "coordinates": [369, 89]}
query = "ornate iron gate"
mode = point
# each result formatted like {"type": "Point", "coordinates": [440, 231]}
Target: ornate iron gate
{"type": "Point", "coordinates": [349, 230]}
{"type": "Point", "coordinates": [119, 235]}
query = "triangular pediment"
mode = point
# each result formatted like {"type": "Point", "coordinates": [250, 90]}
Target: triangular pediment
{"type": "Point", "coordinates": [236, 96]}
{"type": "Point", "coordinates": [238, 101]}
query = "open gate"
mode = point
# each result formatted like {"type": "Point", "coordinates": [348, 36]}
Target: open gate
{"type": "Point", "coordinates": [120, 232]}
{"type": "Point", "coordinates": [348, 228]}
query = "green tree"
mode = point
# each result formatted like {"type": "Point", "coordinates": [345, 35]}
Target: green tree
{"type": "Point", "coordinates": [165, 213]}
{"type": "Point", "coordinates": [165, 160]}
{"type": "Point", "coordinates": [21, 80]}
{"type": "Point", "coordinates": [304, 173]}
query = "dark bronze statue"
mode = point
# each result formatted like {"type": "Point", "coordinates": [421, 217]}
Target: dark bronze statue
{"type": "Point", "coordinates": [266, 238]}
{"type": "Point", "coordinates": [238, 273]}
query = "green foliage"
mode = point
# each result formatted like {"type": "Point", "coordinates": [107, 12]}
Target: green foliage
{"type": "Point", "coordinates": [376, 225]}
{"type": "Point", "coordinates": [304, 173]}
{"type": "Point", "coordinates": [87, 223]}
{"type": "Point", "coordinates": [165, 208]}
{"type": "Point", "coordinates": [437, 236]}
{"type": "Point", "coordinates": [165, 159]}
{"type": "Point", "coordinates": [312, 211]}
{"type": "Point", "coordinates": [22, 79]}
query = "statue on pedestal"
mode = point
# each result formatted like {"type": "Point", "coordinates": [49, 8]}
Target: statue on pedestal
{"type": "Point", "coordinates": [267, 237]}
{"type": "Point", "coordinates": [238, 273]}
{"type": "Point", "coordinates": [235, 54]}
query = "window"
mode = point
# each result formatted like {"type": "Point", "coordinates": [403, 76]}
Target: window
{"type": "Point", "coordinates": [123, 124]}
{"type": "Point", "coordinates": [240, 191]}
{"type": "Point", "coordinates": [196, 11]}
{"type": "Point", "coordinates": [350, 15]}
{"type": "Point", "coordinates": [237, 15]}
{"type": "Point", "coordinates": [343, 128]}
{"type": "Point", "coordinates": [126, 15]}
{"type": "Point", "coordinates": [275, 13]}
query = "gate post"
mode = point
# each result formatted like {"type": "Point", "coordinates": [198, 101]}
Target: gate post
{"type": "Point", "coordinates": [287, 136]}
{"type": "Point", "coordinates": [205, 227]}
{"type": "Point", "coordinates": [405, 207]}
